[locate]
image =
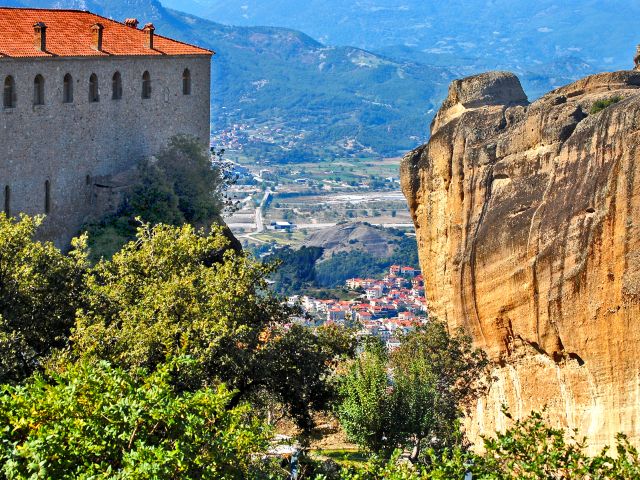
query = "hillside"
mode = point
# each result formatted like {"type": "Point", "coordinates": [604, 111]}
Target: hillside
{"type": "Point", "coordinates": [329, 257]}
{"type": "Point", "coordinates": [280, 95]}
{"type": "Point", "coordinates": [289, 96]}
{"type": "Point", "coordinates": [484, 33]}
{"type": "Point", "coordinates": [347, 237]}
{"type": "Point", "coordinates": [547, 43]}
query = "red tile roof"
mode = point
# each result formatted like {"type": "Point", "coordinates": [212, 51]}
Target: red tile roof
{"type": "Point", "coordinates": [68, 34]}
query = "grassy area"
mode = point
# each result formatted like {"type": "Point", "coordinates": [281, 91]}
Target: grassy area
{"type": "Point", "coordinates": [281, 238]}
{"type": "Point", "coordinates": [343, 456]}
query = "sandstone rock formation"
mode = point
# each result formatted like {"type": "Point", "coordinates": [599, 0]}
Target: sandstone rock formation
{"type": "Point", "coordinates": [528, 227]}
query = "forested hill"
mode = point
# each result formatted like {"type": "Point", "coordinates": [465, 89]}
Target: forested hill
{"type": "Point", "coordinates": [518, 34]}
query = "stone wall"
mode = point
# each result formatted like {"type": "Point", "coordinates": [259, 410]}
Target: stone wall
{"type": "Point", "coordinates": [75, 146]}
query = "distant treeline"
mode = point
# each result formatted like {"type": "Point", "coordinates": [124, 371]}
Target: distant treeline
{"type": "Point", "coordinates": [302, 269]}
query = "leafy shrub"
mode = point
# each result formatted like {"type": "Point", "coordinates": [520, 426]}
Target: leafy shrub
{"type": "Point", "coordinates": [179, 290]}
{"type": "Point", "coordinates": [39, 294]}
{"type": "Point", "coordinates": [529, 450]}
{"type": "Point", "coordinates": [97, 421]}
{"type": "Point", "coordinates": [532, 449]}
{"type": "Point", "coordinates": [415, 396]}
{"type": "Point", "coordinates": [602, 104]}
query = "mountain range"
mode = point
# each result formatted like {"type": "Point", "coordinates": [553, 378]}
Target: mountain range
{"type": "Point", "coordinates": [485, 33]}
{"type": "Point", "coordinates": [281, 95]}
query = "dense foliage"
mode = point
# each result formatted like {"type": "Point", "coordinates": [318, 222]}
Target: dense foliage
{"type": "Point", "coordinates": [96, 421]}
{"type": "Point", "coordinates": [161, 363]}
{"type": "Point", "coordinates": [437, 376]}
{"type": "Point", "coordinates": [146, 363]}
{"type": "Point", "coordinates": [414, 397]}
{"type": "Point", "coordinates": [530, 449]}
{"type": "Point", "coordinates": [177, 290]}
{"type": "Point", "coordinates": [303, 270]}
{"type": "Point", "coordinates": [39, 293]}
{"type": "Point", "coordinates": [296, 269]}
{"type": "Point", "coordinates": [369, 411]}
{"type": "Point", "coordinates": [182, 184]}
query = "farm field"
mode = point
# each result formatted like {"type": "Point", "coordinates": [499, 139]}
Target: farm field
{"type": "Point", "coordinates": [306, 197]}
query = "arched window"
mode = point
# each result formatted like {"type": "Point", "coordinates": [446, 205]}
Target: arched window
{"type": "Point", "coordinates": [146, 85]}
{"type": "Point", "coordinates": [38, 90]}
{"type": "Point", "coordinates": [94, 91]}
{"type": "Point", "coordinates": [7, 200]}
{"type": "Point", "coordinates": [186, 82]}
{"type": "Point", "coordinates": [116, 86]}
{"type": "Point", "coordinates": [47, 197]}
{"type": "Point", "coordinates": [67, 89]}
{"type": "Point", "coordinates": [9, 98]}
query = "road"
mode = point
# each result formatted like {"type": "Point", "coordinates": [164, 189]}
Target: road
{"type": "Point", "coordinates": [260, 210]}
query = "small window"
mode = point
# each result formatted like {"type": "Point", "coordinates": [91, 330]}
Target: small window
{"type": "Point", "coordinates": [38, 90]}
{"type": "Point", "coordinates": [94, 91]}
{"type": "Point", "coordinates": [116, 86]}
{"type": "Point", "coordinates": [7, 200]}
{"type": "Point", "coordinates": [146, 85]}
{"type": "Point", "coordinates": [9, 98]}
{"type": "Point", "coordinates": [186, 82]}
{"type": "Point", "coordinates": [47, 197]}
{"type": "Point", "coordinates": [67, 89]}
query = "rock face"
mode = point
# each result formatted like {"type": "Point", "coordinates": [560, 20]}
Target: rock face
{"type": "Point", "coordinates": [528, 227]}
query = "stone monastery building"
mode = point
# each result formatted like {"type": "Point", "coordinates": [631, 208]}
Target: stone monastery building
{"type": "Point", "coordinates": [84, 98]}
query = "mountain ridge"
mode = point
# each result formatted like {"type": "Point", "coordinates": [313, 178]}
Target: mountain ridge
{"type": "Point", "coordinates": [488, 31]}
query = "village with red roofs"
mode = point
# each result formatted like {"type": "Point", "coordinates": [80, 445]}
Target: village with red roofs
{"type": "Point", "coordinates": [386, 308]}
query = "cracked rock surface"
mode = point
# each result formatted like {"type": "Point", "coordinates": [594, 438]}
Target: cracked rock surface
{"type": "Point", "coordinates": [528, 227]}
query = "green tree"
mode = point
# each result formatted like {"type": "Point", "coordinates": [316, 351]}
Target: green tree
{"type": "Point", "coordinates": [296, 268]}
{"type": "Point", "coordinates": [437, 377]}
{"type": "Point", "coordinates": [182, 184]}
{"type": "Point", "coordinates": [414, 397]}
{"type": "Point", "coordinates": [39, 294]}
{"type": "Point", "coordinates": [178, 290]}
{"type": "Point", "coordinates": [369, 409]}
{"type": "Point", "coordinates": [197, 182]}
{"type": "Point", "coordinates": [97, 421]}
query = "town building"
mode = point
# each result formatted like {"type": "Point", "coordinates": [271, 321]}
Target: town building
{"type": "Point", "coordinates": [389, 308]}
{"type": "Point", "coordinates": [85, 98]}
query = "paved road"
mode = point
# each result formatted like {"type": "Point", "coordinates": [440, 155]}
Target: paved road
{"type": "Point", "coordinates": [259, 212]}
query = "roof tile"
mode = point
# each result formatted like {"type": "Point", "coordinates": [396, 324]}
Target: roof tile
{"type": "Point", "coordinates": [69, 35]}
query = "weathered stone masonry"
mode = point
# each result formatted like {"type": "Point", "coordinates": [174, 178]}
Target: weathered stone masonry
{"type": "Point", "coordinates": [56, 156]}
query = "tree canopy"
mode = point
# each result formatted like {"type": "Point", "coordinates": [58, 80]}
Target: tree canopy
{"type": "Point", "coordinates": [40, 290]}
{"type": "Point", "coordinates": [156, 364]}
{"type": "Point", "coordinates": [415, 396]}
{"type": "Point", "coordinates": [179, 290]}
{"type": "Point", "coordinates": [97, 421]}
{"type": "Point", "coordinates": [183, 183]}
